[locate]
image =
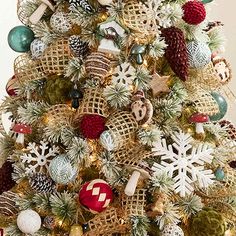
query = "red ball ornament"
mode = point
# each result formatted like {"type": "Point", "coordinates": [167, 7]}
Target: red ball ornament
{"type": "Point", "coordinates": [95, 195]}
{"type": "Point", "coordinates": [12, 86]}
{"type": "Point", "coordinates": [91, 126]}
{"type": "Point", "coordinates": [194, 12]}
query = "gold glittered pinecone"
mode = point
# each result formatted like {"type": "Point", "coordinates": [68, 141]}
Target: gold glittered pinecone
{"type": "Point", "coordinates": [176, 51]}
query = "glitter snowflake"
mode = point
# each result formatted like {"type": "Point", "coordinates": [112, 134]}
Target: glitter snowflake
{"type": "Point", "coordinates": [124, 74]}
{"type": "Point", "coordinates": [39, 156]}
{"type": "Point", "coordinates": [184, 163]}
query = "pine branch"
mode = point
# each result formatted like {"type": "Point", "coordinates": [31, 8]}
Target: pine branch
{"type": "Point", "coordinates": [64, 206]}
{"type": "Point", "coordinates": [148, 136]}
{"type": "Point", "coordinates": [78, 152]}
{"type": "Point", "coordinates": [157, 48]}
{"type": "Point", "coordinates": [161, 182]}
{"type": "Point", "coordinates": [31, 112]}
{"type": "Point", "coordinates": [42, 202]}
{"type": "Point", "coordinates": [109, 166]}
{"type": "Point", "coordinates": [13, 230]}
{"type": "Point", "coordinates": [171, 215]}
{"type": "Point", "coordinates": [118, 96]}
{"type": "Point", "coordinates": [75, 69]}
{"type": "Point", "coordinates": [216, 40]}
{"type": "Point", "coordinates": [7, 146]}
{"type": "Point", "coordinates": [140, 225]}
{"type": "Point", "coordinates": [142, 79]}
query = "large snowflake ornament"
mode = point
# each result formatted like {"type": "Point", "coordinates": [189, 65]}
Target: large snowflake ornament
{"type": "Point", "coordinates": [124, 74]}
{"type": "Point", "coordinates": [38, 156]}
{"type": "Point", "coordinates": [184, 163]}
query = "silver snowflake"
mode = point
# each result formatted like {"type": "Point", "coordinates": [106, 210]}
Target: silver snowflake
{"type": "Point", "coordinates": [184, 163]}
{"type": "Point", "coordinates": [124, 74]}
{"type": "Point", "coordinates": [39, 156]}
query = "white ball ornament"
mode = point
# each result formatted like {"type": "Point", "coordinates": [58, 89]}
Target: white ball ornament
{"type": "Point", "coordinates": [107, 140]}
{"type": "Point", "coordinates": [199, 54]}
{"type": "Point", "coordinates": [61, 170]}
{"type": "Point", "coordinates": [60, 22]}
{"type": "Point", "coordinates": [29, 221]}
{"type": "Point", "coordinates": [172, 230]}
{"type": "Point", "coordinates": [105, 2]}
{"type": "Point", "coordinates": [37, 47]}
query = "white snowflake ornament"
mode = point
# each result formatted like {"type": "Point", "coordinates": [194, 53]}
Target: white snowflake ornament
{"type": "Point", "coordinates": [124, 74]}
{"type": "Point", "coordinates": [184, 163]}
{"type": "Point", "coordinates": [172, 230]}
{"type": "Point", "coordinates": [39, 156]}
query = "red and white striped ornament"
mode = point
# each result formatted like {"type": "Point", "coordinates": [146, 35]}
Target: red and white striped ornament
{"type": "Point", "coordinates": [96, 195]}
{"type": "Point", "coordinates": [12, 86]}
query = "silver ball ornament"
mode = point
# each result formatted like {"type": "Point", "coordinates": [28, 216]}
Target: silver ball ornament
{"type": "Point", "coordinates": [29, 221]}
{"type": "Point", "coordinates": [60, 22]}
{"type": "Point", "coordinates": [199, 54]}
{"type": "Point", "coordinates": [61, 170]}
{"type": "Point", "coordinates": [172, 230]}
{"type": "Point", "coordinates": [37, 47]}
{"type": "Point", "coordinates": [107, 140]}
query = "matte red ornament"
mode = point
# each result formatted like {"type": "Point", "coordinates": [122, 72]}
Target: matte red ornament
{"type": "Point", "coordinates": [6, 181]}
{"type": "Point", "coordinates": [12, 86]}
{"type": "Point", "coordinates": [95, 195]}
{"type": "Point", "coordinates": [194, 12]}
{"type": "Point", "coordinates": [91, 126]}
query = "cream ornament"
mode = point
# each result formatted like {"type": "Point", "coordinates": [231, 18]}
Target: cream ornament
{"type": "Point", "coordinates": [60, 22]}
{"type": "Point", "coordinates": [29, 221]}
{"type": "Point", "coordinates": [37, 47]}
{"type": "Point", "coordinates": [172, 230]}
{"type": "Point", "coordinates": [105, 2]}
{"type": "Point", "coordinates": [112, 30]}
{"type": "Point", "coordinates": [124, 74]}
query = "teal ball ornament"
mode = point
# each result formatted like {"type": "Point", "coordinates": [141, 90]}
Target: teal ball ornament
{"type": "Point", "coordinates": [61, 170]}
{"type": "Point", "coordinates": [223, 107]}
{"type": "Point", "coordinates": [219, 174]}
{"type": "Point", "coordinates": [20, 38]}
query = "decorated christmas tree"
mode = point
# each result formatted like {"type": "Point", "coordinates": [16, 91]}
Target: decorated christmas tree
{"type": "Point", "coordinates": [117, 121]}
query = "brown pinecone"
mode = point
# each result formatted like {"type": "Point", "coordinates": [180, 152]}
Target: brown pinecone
{"type": "Point", "coordinates": [176, 51]}
{"type": "Point", "coordinates": [6, 181]}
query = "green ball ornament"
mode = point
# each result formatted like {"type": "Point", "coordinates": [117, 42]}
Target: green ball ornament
{"type": "Point", "coordinates": [223, 107]}
{"type": "Point", "coordinates": [20, 38]}
{"type": "Point", "coordinates": [219, 174]}
{"type": "Point", "coordinates": [61, 170]}
{"type": "Point", "coordinates": [207, 222]}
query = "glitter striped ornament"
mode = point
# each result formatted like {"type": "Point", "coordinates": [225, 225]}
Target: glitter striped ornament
{"type": "Point", "coordinates": [95, 195]}
{"type": "Point", "coordinates": [12, 86]}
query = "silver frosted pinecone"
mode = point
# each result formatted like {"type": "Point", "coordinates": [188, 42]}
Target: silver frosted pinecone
{"type": "Point", "coordinates": [84, 4]}
{"type": "Point", "coordinates": [78, 47]}
{"type": "Point", "coordinates": [42, 183]}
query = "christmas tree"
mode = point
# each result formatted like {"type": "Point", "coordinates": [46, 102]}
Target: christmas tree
{"type": "Point", "coordinates": [117, 121]}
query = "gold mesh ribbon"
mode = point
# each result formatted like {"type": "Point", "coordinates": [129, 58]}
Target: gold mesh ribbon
{"type": "Point", "coordinates": [56, 57]}
{"type": "Point", "coordinates": [122, 126]}
{"type": "Point", "coordinates": [203, 100]}
{"type": "Point", "coordinates": [135, 205]}
{"type": "Point", "coordinates": [93, 103]}
{"type": "Point", "coordinates": [107, 223]}
{"type": "Point", "coordinates": [26, 68]}
{"type": "Point", "coordinates": [139, 18]}
{"type": "Point", "coordinates": [205, 77]}
{"type": "Point", "coordinates": [59, 114]}
{"type": "Point", "coordinates": [131, 155]}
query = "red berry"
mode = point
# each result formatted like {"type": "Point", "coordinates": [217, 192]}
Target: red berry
{"type": "Point", "coordinates": [91, 126]}
{"type": "Point", "coordinates": [194, 12]}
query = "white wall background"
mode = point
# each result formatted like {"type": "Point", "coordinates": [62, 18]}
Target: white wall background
{"type": "Point", "coordinates": [220, 10]}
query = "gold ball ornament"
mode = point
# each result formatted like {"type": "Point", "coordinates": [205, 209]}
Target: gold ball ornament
{"type": "Point", "coordinates": [76, 230]}
{"type": "Point", "coordinates": [97, 65]}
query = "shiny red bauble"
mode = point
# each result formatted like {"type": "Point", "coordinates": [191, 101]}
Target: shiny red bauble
{"type": "Point", "coordinates": [91, 126]}
{"type": "Point", "coordinates": [194, 12]}
{"type": "Point", "coordinates": [95, 195]}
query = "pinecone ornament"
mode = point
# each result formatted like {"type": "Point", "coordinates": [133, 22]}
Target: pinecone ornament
{"type": "Point", "coordinates": [42, 183]}
{"type": "Point", "coordinates": [78, 47]}
{"type": "Point", "coordinates": [84, 4]}
{"type": "Point", "coordinates": [6, 181]}
{"type": "Point", "coordinates": [176, 51]}
{"type": "Point", "coordinates": [49, 222]}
